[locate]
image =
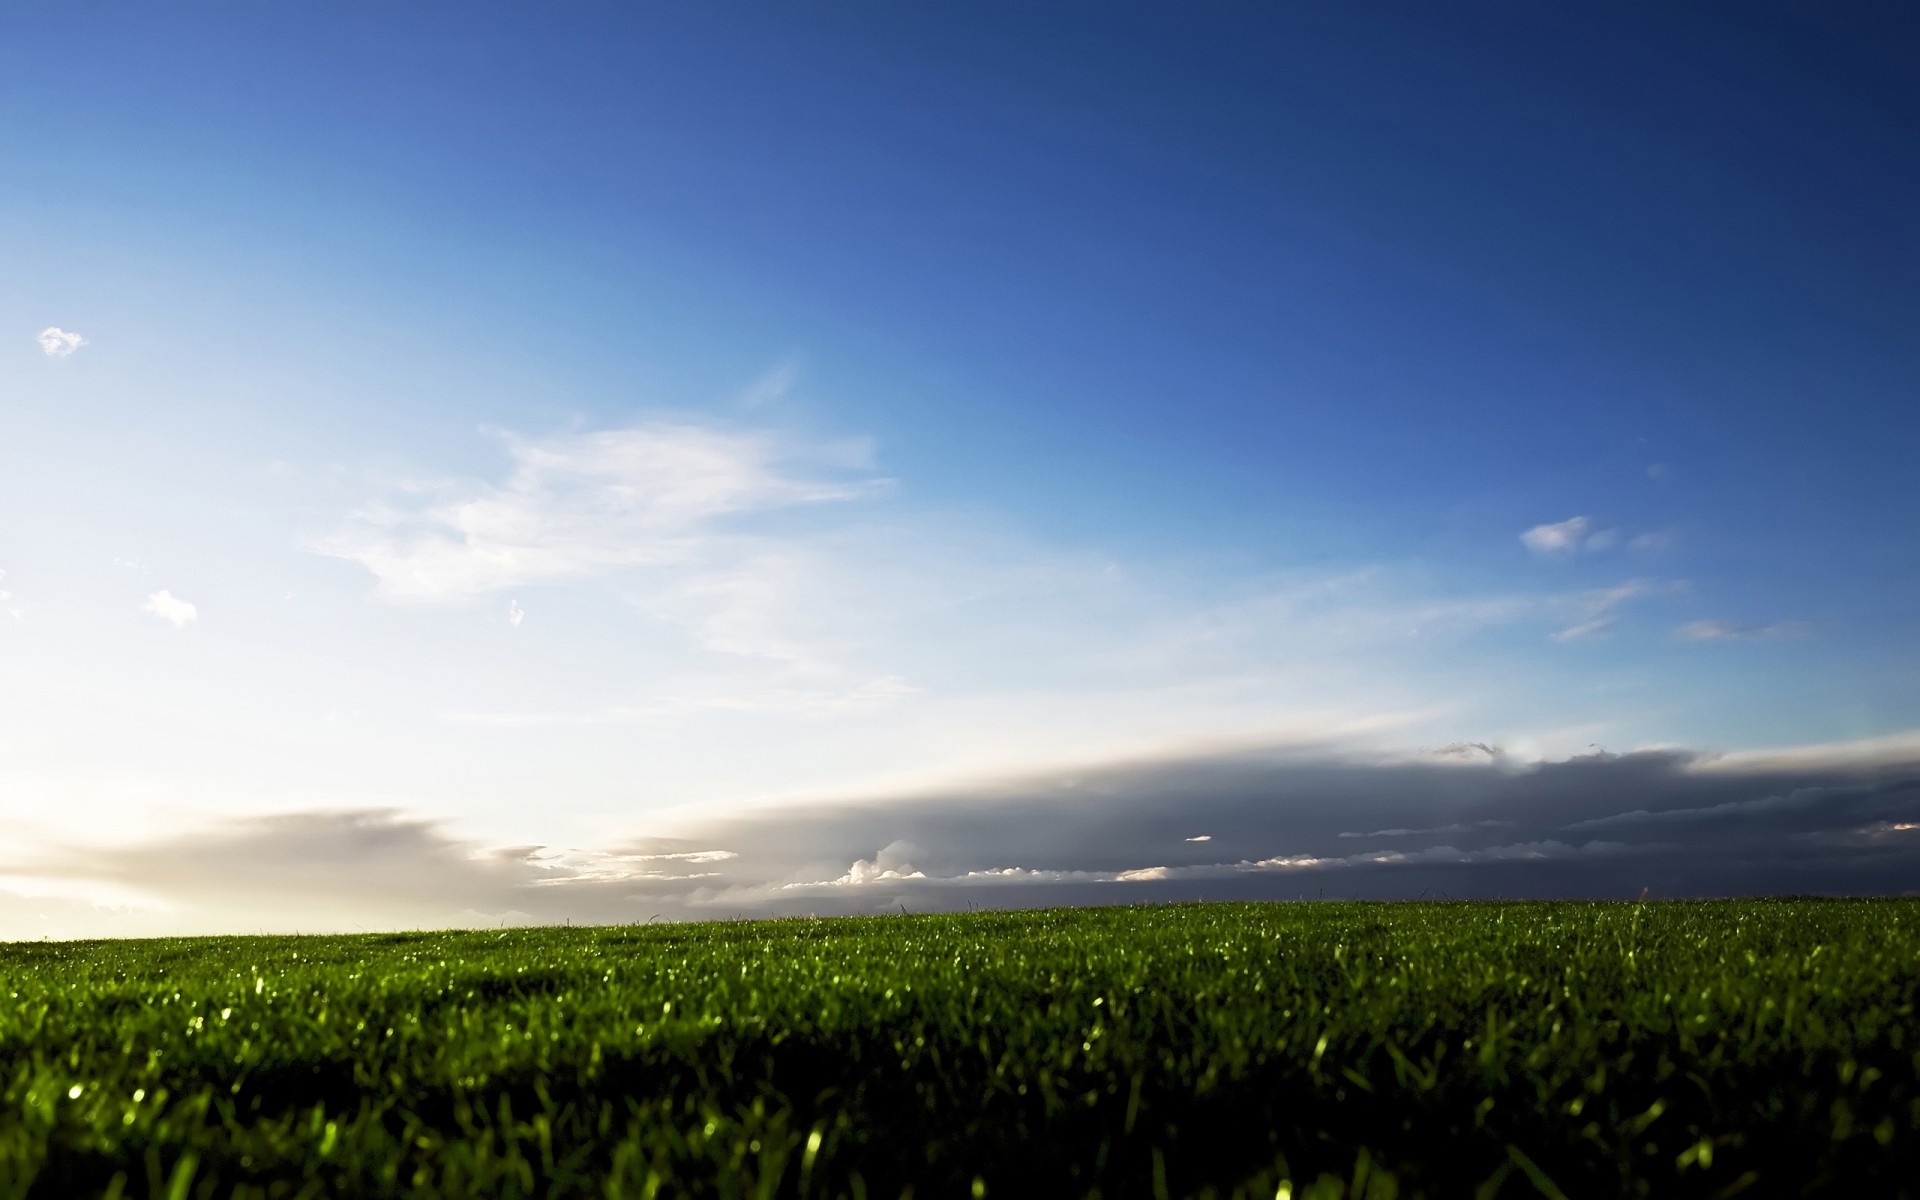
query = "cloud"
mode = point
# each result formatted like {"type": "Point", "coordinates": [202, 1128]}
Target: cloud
{"type": "Point", "coordinates": [881, 692]}
{"type": "Point", "coordinates": [1504, 828]}
{"type": "Point", "coordinates": [1431, 829]}
{"type": "Point", "coordinates": [892, 864]}
{"type": "Point", "coordinates": [1587, 628]}
{"type": "Point", "coordinates": [1599, 610]}
{"type": "Point", "coordinates": [7, 605]}
{"type": "Point", "coordinates": [583, 505]}
{"type": "Point", "coordinates": [1567, 537]}
{"type": "Point", "coordinates": [359, 868]}
{"type": "Point", "coordinates": [1728, 631]}
{"type": "Point", "coordinates": [772, 386]}
{"type": "Point", "coordinates": [515, 614]}
{"type": "Point", "coordinates": [169, 607]}
{"type": "Point", "coordinates": [1875, 754]}
{"type": "Point", "coordinates": [1279, 825]}
{"type": "Point", "coordinates": [59, 343]}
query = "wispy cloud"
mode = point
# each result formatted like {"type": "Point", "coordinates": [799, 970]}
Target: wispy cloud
{"type": "Point", "coordinates": [7, 605]}
{"type": "Point", "coordinates": [581, 505]}
{"type": "Point", "coordinates": [772, 700]}
{"type": "Point", "coordinates": [1728, 631]}
{"type": "Point", "coordinates": [1570, 536]}
{"type": "Point", "coordinates": [56, 342]}
{"type": "Point", "coordinates": [515, 614]}
{"type": "Point", "coordinates": [1456, 827]}
{"type": "Point", "coordinates": [772, 386]}
{"type": "Point", "coordinates": [170, 608]}
{"type": "Point", "coordinates": [1599, 610]}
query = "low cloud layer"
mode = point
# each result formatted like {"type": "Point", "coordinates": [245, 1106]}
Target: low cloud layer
{"type": "Point", "coordinates": [1279, 826]}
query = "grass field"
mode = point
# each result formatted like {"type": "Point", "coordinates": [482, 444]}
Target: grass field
{"type": "Point", "coordinates": [1763, 1048]}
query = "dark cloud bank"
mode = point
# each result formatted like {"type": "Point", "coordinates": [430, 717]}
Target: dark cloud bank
{"type": "Point", "coordinates": [1463, 823]}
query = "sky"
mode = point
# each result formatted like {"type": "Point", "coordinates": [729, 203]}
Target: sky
{"type": "Point", "coordinates": [486, 463]}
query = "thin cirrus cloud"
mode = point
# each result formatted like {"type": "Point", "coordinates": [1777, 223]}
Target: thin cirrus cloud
{"type": "Point", "coordinates": [56, 342]}
{"type": "Point", "coordinates": [171, 609]}
{"type": "Point", "coordinates": [1598, 611]}
{"type": "Point", "coordinates": [581, 505]}
{"type": "Point", "coordinates": [1730, 631]}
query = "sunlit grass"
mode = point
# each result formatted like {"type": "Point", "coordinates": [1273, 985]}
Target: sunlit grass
{"type": "Point", "coordinates": [1323, 1049]}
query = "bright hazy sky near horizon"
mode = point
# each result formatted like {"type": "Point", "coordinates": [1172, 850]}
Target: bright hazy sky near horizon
{"type": "Point", "coordinates": [483, 462]}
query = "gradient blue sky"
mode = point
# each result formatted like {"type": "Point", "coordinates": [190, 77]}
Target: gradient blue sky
{"type": "Point", "coordinates": [570, 424]}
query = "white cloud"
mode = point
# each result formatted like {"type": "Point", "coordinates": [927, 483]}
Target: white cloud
{"type": "Point", "coordinates": [581, 505]}
{"type": "Point", "coordinates": [749, 609]}
{"type": "Point", "coordinates": [515, 614]}
{"type": "Point", "coordinates": [1568, 537]}
{"type": "Point", "coordinates": [892, 864]}
{"type": "Point", "coordinates": [1205, 837]}
{"type": "Point", "coordinates": [58, 342]}
{"type": "Point", "coordinates": [1728, 631]}
{"type": "Point", "coordinates": [169, 607]}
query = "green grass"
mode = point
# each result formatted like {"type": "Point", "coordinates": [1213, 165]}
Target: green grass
{"type": "Point", "coordinates": [1763, 1048]}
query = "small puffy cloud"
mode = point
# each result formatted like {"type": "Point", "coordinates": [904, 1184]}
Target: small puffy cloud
{"type": "Point", "coordinates": [58, 342]}
{"type": "Point", "coordinates": [169, 607]}
{"type": "Point", "coordinates": [1728, 631]}
{"type": "Point", "coordinates": [1567, 537]}
{"type": "Point", "coordinates": [515, 614]}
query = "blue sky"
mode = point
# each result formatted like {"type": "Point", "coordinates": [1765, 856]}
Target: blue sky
{"type": "Point", "coordinates": [574, 427]}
